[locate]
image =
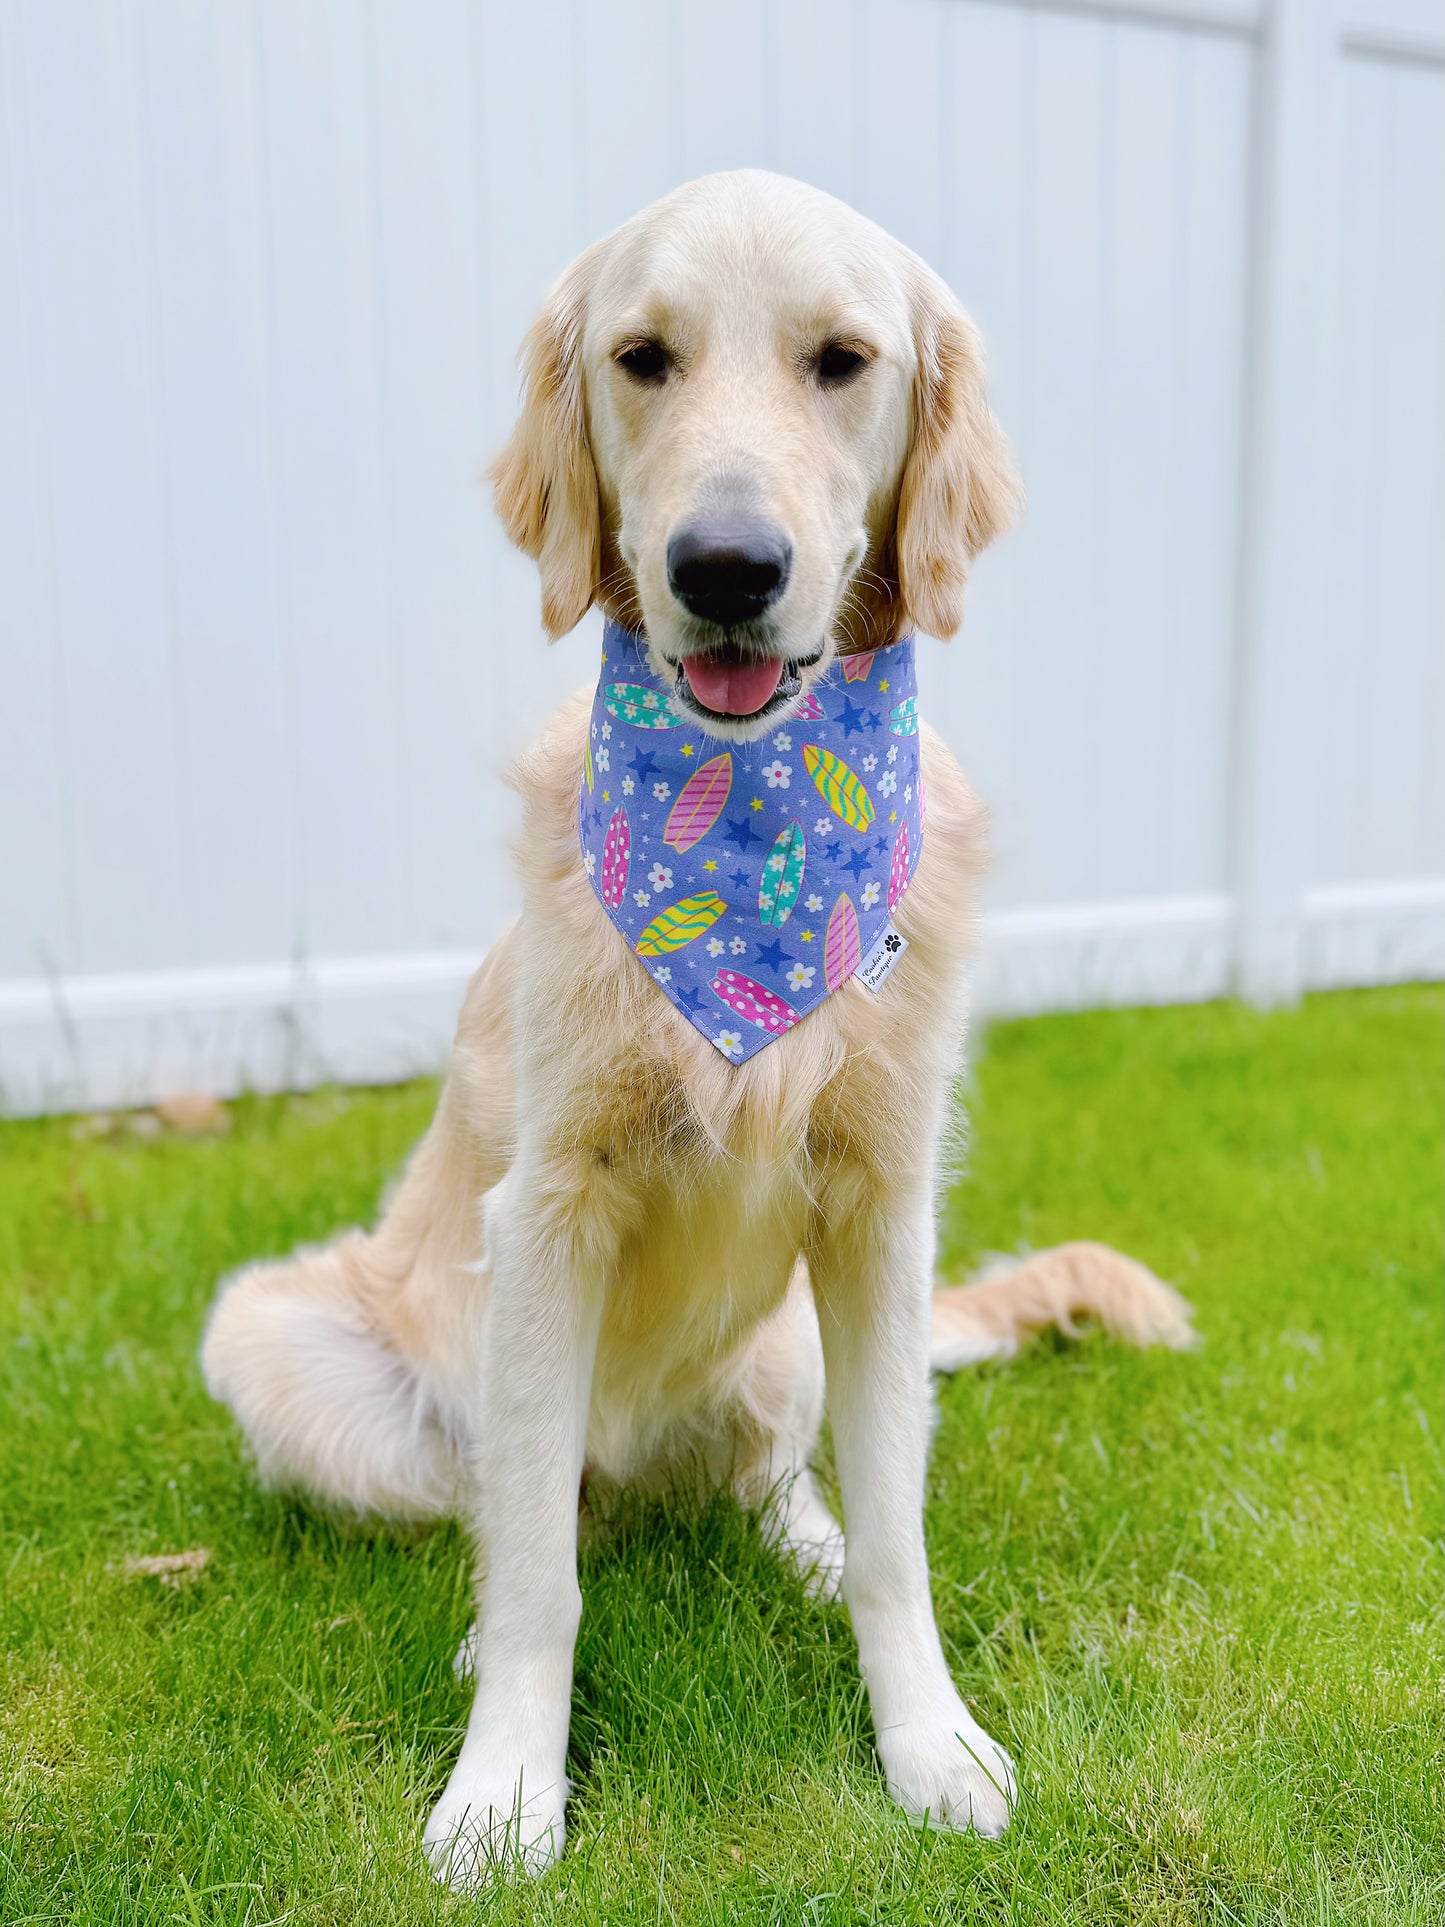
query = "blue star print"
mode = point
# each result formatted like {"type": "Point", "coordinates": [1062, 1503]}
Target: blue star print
{"type": "Point", "coordinates": [853, 718]}
{"type": "Point", "coordinates": [741, 833]}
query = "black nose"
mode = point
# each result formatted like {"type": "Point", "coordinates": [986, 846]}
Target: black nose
{"type": "Point", "coordinates": [730, 572]}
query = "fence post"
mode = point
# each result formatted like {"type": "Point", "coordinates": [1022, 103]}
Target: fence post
{"type": "Point", "coordinates": [1284, 497]}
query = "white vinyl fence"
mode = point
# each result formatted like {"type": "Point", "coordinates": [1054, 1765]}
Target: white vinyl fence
{"type": "Point", "coordinates": [264, 265]}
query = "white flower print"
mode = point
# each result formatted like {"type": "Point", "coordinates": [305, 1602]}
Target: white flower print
{"type": "Point", "coordinates": [815, 903]}
{"type": "Point", "coordinates": [801, 976]}
{"type": "Point", "coordinates": [662, 791]}
{"type": "Point", "coordinates": [893, 754]}
{"type": "Point", "coordinates": [629, 710]}
{"type": "Point", "coordinates": [660, 877]}
{"type": "Point", "coordinates": [663, 974]}
{"type": "Point", "coordinates": [869, 895]}
{"type": "Point", "coordinates": [604, 759]}
{"type": "Point", "coordinates": [629, 784]}
{"type": "Point", "coordinates": [908, 794]}
{"type": "Point", "coordinates": [888, 782]}
{"type": "Point", "coordinates": [606, 731]}
{"type": "Point", "coordinates": [594, 732]}
{"type": "Point", "coordinates": [589, 862]}
{"type": "Point", "coordinates": [779, 775]}
{"type": "Point", "coordinates": [823, 826]}
{"type": "Point", "coordinates": [783, 740]}
{"type": "Point", "coordinates": [715, 946]}
{"type": "Point", "coordinates": [739, 946]}
{"type": "Point", "coordinates": [870, 762]}
{"type": "Point", "coordinates": [649, 701]}
{"type": "Point", "coordinates": [729, 1043]}
{"type": "Point", "coordinates": [641, 897]}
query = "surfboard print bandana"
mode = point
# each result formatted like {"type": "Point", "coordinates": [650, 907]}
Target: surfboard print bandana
{"type": "Point", "coordinates": [751, 880]}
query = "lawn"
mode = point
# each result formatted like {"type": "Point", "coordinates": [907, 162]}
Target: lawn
{"type": "Point", "coordinates": [1198, 1595]}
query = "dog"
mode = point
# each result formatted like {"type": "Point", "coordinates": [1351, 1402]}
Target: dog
{"type": "Point", "coordinates": [754, 430]}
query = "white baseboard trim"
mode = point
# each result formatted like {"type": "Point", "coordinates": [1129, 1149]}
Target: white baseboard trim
{"type": "Point", "coordinates": [1375, 933]}
{"type": "Point", "coordinates": [1160, 950]}
{"type": "Point", "coordinates": [85, 1043]}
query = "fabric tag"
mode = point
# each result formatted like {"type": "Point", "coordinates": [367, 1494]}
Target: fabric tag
{"type": "Point", "coordinates": [878, 965]}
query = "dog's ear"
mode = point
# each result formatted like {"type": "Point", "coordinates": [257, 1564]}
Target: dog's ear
{"type": "Point", "coordinates": [544, 481]}
{"type": "Point", "coordinates": [960, 487]}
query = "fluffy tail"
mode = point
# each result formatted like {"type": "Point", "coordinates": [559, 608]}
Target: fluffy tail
{"type": "Point", "coordinates": [331, 1405]}
{"type": "Point", "coordinates": [1014, 1297]}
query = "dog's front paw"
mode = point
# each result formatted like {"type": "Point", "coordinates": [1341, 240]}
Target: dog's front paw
{"type": "Point", "coordinates": [490, 1822]}
{"type": "Point", "coordinates": [947, 1771]}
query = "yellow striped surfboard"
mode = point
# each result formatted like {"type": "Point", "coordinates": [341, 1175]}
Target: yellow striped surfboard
{"type": "Point", "coordinates": [842, 790]}
{"type": "Point", "coordinates": [681, 923]}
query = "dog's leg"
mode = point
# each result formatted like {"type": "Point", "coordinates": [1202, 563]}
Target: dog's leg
{"type": "Point", "coordinates": [795, 1521]}
{"type": "Point", "coordinates": [778, 1392]}
{"type": "Point", "coordinates": [551, 1253]}
{"type": "Point", "coordinates": [872, 1274]}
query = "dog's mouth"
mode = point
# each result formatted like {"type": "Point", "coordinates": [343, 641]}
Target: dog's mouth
{"type": "Point", "coordinates": [735, 684]}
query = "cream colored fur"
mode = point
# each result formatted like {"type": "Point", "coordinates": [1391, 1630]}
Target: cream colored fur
{"type": "Point", "coordinates": [614, 1253]}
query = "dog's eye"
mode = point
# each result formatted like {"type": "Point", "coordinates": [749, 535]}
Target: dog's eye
{"type": "Point", "coordinates": [644, 361]}
{"type": "Point", "coordinates": [836, 364]}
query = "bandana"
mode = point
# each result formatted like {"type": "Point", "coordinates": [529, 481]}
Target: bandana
{"type": "Point", "coordinates": [750, 880]}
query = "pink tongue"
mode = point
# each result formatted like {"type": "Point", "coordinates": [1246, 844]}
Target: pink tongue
{"type": "Point", "coordinates": [733, 686]}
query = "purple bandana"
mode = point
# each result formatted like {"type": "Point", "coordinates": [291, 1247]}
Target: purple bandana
{"type": "Point", "coordinates": [752, 879]}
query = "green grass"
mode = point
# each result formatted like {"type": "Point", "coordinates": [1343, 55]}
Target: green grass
{"type": "Point", "coordinates": [1197, 1595]}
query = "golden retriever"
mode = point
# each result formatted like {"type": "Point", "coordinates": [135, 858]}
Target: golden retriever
{"type": "Point", "coordinates": [616, 1254]}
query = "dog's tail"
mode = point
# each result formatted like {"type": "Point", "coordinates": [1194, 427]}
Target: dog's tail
{"type": "Point", "coordinates": [1011, 1298]}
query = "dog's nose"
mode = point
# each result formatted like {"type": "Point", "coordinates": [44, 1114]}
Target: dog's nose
{"type": "Point", "coordinates": [728, 573]}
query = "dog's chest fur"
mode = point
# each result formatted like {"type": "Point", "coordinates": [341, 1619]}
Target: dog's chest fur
{"type": "Point", "coordinates": [717, 1175]}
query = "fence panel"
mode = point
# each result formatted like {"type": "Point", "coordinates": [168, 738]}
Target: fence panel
{"type": "Point", "coordinates": [264, 266]}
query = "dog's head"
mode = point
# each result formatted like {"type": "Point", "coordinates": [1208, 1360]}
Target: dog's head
{"type": "Point", "coordinates": [754, 428]}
